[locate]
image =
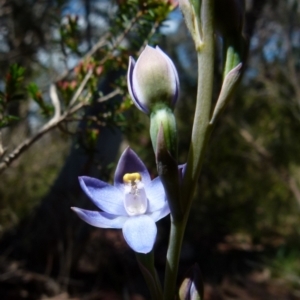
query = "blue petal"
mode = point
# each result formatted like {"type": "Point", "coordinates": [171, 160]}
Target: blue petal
{"type": "Point", "coordinates": [161, 213]}
{"type": "Point", "coordinates": [130, 84]}
{"type": "Point", "coordinates": [181, 170]}
{"type": "Point", "coordinates": [100, 219]}
{"type": "Point", "coordinates": [103, 195]}
{"type": "Point", "coordinates": [156, 195]}
{"type": "Point", "coordinates": [129, 162]}
{"type": "Point", "coordinates": [140, 233]}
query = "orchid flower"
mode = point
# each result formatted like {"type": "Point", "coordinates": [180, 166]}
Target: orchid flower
{"type": "Point", "coordinates": [134, 203]}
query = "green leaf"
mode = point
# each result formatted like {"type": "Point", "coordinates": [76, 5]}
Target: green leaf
{"type": "Point", "coordinates": [8, 120]}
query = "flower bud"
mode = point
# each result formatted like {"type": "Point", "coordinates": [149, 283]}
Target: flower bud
{"type": "Point", "coordinates": [192, 286]}
{"type": "Point", "coordinates": [229, 86]}
{"type": "Point", "coordinates": [152, 80]}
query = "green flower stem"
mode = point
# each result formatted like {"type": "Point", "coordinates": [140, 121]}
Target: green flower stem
{"type": "Point", "coordinates": [200, 135]}
{"type": "Point", "coordinates": [201, 128]}
{"type": "Point", "coordinates": [146, 263]}
{"type": "Point", "coordinates": [173, 255]}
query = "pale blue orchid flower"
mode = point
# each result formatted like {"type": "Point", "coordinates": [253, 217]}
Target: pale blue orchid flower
{"type": "Point", "coordinates": [134, 203]}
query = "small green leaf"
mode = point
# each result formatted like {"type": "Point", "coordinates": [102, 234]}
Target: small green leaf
{"type": "Point", "coordinates": [8, 120]}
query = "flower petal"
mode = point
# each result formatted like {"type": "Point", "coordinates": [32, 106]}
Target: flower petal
{"type": "Point", "coordinates": [161, 213]}
{"type": "Point", "coordinates": [156, 195]}
{"type": "Point", "coordinates": [140, 233]}
{"type": "Point", "coordinates": [181, 170]}
{"type": "Point", "coordinates": [105, 196]}
{"type": "Point", "coordinates": [173, 71]}
{"type": "Point", "coordinates": [129, 162]}
{"type": "Point", "coordinates": [131, 85]}
{"type": "Point", "coordinates": [100, 219]}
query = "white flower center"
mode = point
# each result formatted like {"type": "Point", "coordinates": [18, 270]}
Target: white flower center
{"type": "Point", "coordinates": [135, 201]}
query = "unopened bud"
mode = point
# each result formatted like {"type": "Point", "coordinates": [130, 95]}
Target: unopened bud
{"type": "Point", "coordinates": [229, 86]}
{"type": "Point", "coordinates": [192, 286]}
{"type": "Point", "coordinates": [152, 80]}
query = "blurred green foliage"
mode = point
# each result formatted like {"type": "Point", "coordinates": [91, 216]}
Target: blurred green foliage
{"type": "Point", "coordinates": [22, 188]}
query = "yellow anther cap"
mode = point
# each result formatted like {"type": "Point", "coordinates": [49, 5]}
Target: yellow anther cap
{"type": "Point", "coordinates": [132, 177]}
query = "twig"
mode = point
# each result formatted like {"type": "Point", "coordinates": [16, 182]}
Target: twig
{"type": "Point", "coordinates": [151, 33]}
{"type": "Point", "coordinates": [95, 48]}
{"type": "Point", "coordinates": [46, 128]}
{"type": "Point", "coordinates": [114, 93]}
{"type": "Point", "coordinates": [55, 102]}
{"type": "Point", "coordinates": [81, 87]}
{"type": "Point", "coordinates": [101, 43]}
{"type": "Point", "coordinates": [127, 30]}
{"type": "Point", "coordinates": [73, 107]}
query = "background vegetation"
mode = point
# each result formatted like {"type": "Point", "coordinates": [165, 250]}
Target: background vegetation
{"type": "Point", "coordinates": [245, 226]}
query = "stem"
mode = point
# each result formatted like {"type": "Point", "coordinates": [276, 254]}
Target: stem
{"type": "Point", "coordinates": [146, 263]}
{"type": "Point", "coordinates": [174, 249]}
{"type": "Point", "coordinates": [201, 128]}
{"type": "Point", "coordinates": [200, 135]}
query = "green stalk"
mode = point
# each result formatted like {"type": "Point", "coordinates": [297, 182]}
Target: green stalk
{"type": "Point", "coordinates": [201, 128]}
{"type": "Point", "coordinates": [146, 263]}
{"type": "Point", "coordinates": [200, 134]}
{"type": "Point", "coordinates": [173, 255]}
